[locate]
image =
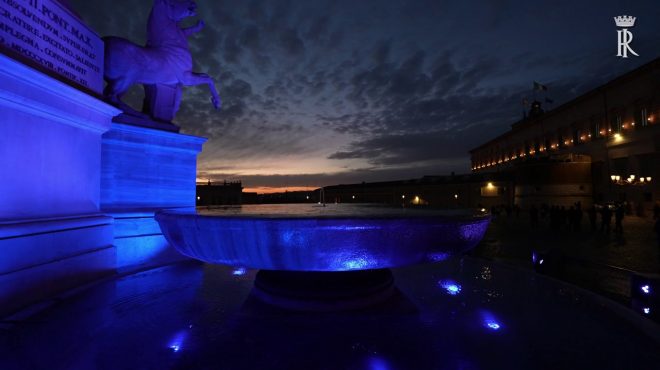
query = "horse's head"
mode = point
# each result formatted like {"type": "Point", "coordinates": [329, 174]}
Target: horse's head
{"type": "Point", "coordinates": [177, 10]}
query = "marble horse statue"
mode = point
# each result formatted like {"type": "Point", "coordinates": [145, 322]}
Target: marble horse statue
{"type": "Point", "coordinates": [164, 62]}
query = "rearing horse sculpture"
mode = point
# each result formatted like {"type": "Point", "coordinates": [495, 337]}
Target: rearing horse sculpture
{"type": "Point", "coordinates": [165, 60]}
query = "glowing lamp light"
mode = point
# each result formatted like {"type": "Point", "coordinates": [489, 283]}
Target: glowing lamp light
{"type": "Point", "coordinates": [199, 198]}
{"type": "Point", "coordinates": [646, 289]}
{"type": "Point", "coordinates": [176, 344]}
{"type": "Point", "coordinates": [618, 136]}
{"type": "Point", "coordinates": [641, 179]}
{"type": "Point", "coordinates": [353, 197]}
{"type": "Point", "coordinates": [455, 196]}
{"type": "Point", "coordinates": [489, 321]}
{"type": "Point", "coordinates": [490, 185]}
{"type": "Point", "coordinates": [377, 363]}
{"type": "Point", "coordinates": [632, 177]}
{"type": "Point", "coordinates": [618, 178]}
{"type": "Point", "coordinates": [648, 178]}
{"type": "Point", "coordinates": [647, 310]}
{"type": "Point", "coordinates": [403, 197]}
{"type": "Point", "coordinates": [493, 325]}
{"type": "Point", "coordinates": [450, 287]}
{"type": "Point", "coordinates": [239, 271]}
{"type": "Point", "coordinates": [613, 177]}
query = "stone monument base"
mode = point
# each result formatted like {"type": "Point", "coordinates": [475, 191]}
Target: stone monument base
{"type": "Point", "coordinates": [146, 166]}
{"type": "Point", "coordinates": [52, 234]}
{"type": "Point", "coordinates": [42, 257]}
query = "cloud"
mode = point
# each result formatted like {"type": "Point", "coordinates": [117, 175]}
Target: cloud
{"type": "Point", "coordinates": [387, 90]}
{"type": "Point", "coordinates": [292, 44]}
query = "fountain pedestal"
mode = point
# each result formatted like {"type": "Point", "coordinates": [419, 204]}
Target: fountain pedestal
{"type": "Point", "coordinates": [324, 290]}
{"type": "Point", "coordinates": [321, 258]}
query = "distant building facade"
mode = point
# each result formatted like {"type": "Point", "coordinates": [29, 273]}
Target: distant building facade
{"type": "Point", "coordinates": [224, 193]}
{"type": "Point", "coordinates": [455, 191]}
{"type": "Point", "coordinates": [602, 146]}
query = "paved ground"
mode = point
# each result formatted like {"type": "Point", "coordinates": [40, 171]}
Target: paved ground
{"type": "Point", "coordinates": [596, 260]}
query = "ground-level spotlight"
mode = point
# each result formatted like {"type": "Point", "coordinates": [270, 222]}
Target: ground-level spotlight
{"type": "Point", "coordinates": [240, 271]}
{"type": "Point", "coordinates": [450, 287]}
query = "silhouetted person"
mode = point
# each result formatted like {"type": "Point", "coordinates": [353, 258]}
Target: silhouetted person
{"type": "Point", "coordinates": [562, 217]}
{"type": "Point", "coordinates": [618, 219]}
{"type": "Point", "coordinates": [578, 217]}
{"type": "Point", "coordinates": [571, 219]}
{"type": "Point", "coordinates": [534, 216]}
{"type": "Point", "coordinates": [592, 217]}
{"type": "Point", "coordinates": [606, 218]}
{"type": "Point", "coordinates": [657, 233]}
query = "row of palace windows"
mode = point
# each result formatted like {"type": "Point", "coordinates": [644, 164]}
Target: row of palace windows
{"type": "Point", "coordinates": [567, 137]}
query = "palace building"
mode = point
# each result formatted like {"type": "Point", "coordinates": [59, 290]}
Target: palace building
{"type": "Point", "coordinates": [600, 147]}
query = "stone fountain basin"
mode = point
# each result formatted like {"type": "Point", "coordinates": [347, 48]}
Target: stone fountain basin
{"type": "Point", "coordinates": [305, 237]}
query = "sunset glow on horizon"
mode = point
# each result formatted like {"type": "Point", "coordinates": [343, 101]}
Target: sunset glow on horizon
{"type": "Point", "coordinates": [270, 190]}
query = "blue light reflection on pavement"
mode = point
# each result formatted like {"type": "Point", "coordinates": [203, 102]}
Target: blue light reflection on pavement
{"type": "Point", "coordinates": [424, 329]}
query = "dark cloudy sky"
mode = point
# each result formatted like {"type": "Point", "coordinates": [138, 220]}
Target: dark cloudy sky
{"type": "Point", "coordinates": [320, 92]}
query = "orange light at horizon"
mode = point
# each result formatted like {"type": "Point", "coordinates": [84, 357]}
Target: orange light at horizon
{"type": "Point", "coordinates": [271, 190]}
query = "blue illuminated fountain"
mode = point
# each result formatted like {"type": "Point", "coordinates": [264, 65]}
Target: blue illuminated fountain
{"type": "Point", "coordinates": [322, 258]}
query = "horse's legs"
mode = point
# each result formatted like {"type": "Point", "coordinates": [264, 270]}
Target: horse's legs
{"type": "Point", "coordinates": [192, 78]}
{"type": "Point", "coordinates": [114, 92]}
{"type": "Point", "coordinates": [116, 89]}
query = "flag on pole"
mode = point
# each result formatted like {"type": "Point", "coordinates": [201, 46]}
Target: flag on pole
{"type": "Point", "coordinates": [540, 87]}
